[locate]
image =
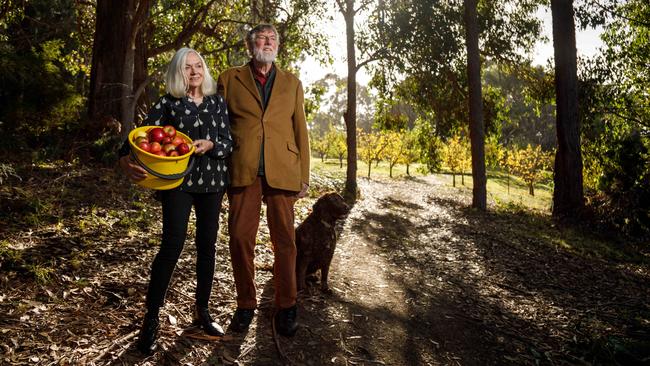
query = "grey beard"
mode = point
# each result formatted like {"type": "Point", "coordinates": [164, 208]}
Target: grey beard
{"type": "Point", "coordinates": [260, 56]}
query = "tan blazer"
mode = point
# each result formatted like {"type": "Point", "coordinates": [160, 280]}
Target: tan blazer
{"type": "Point", "coordinates": [282, 126]}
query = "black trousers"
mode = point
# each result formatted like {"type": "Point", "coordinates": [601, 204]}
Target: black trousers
{"type": "Point", "coordinates": [176, 208]}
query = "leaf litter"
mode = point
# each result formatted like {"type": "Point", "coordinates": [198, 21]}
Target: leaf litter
{"type": "Point", "coordinates": [417, 279]}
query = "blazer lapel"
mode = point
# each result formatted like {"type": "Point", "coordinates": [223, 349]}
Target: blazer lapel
{"type": "Point", "coordinates": [278, 84]}
{"type": "Point", "coordinates": [245, 76]}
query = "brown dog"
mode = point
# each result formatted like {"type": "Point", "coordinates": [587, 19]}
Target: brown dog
{"type": "Point", "coordinates": [316, 238]}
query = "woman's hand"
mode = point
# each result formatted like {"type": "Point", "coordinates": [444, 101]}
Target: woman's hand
{"type": "Point", "coordinates": [202, 146]}
{"type": "Point", "coordinates": [132, 169]}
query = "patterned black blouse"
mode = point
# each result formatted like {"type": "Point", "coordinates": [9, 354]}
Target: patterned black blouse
{"type": "Point", "coordinates": [207, 121]}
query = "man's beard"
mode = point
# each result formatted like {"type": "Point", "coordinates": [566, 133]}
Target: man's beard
{"type": "Point", "coordinates": [261, 56]}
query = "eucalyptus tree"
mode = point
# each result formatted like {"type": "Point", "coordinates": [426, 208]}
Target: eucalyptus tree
{"type": "Point", "coordinates": [427, 49]}
{"type": "Point", "coordinates": [476, 130]}
{"type": "Point", "coordinates": [568, 195]}
{"type": "Point", "coordinates": [370, 53]}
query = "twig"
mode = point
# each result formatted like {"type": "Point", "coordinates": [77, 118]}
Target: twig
{"type": "Point", "coordinates": [107, 350]}
{"type": "Point", "coordinates": [277, 344]}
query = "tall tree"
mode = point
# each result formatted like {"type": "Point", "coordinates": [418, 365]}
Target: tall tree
{"type": "Point", "coordinates": [117, 29]}
{"type": "Point", "coordinates": [476, 130]}
{"type": "Point", "coordinates": [568, 195]}
{"type": "Point", "coordinates": [347, 8]}
{"type": "Point", "coordinates": [350, 116]}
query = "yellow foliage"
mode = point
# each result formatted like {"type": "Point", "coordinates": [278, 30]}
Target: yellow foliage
{"type": "Point", "coordinates": [528, 164]}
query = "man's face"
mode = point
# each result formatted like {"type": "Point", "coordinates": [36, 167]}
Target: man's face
{"type": "Point", "coordinates": [265, 46]}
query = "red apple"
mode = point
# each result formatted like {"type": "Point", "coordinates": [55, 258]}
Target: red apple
{"type": "Point", "coordinates": [166, 140]}
{"type": "Point", "coordinates": [173, 153]}
{"type": "Point", "coordinates": [155, 147]}
{"type": "Point", "coordinates": [161, 153]}
{"type": "Point", "coordinates": [156, 134]}
{"type": "Point", "coordinates": [177, 141]}
{"type": "Point", "coordinates": [182, 149]}
{"type": "Point", "coordinates": [144, 146]}
{"type": "Point", "coordinates": [169, 131]}
{"type": "Point", "coordinates": [167, 148]}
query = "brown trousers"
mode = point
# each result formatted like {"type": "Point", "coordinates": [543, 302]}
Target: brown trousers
{"type": "Point", "coordinates": [243, 222]}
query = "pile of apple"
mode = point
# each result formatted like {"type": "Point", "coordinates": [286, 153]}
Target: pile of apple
{"type": "Point", "coordinates": [161, 141]}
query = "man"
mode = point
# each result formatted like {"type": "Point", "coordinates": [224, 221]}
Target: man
{"type": "Point", "coordinates": [270, 164]}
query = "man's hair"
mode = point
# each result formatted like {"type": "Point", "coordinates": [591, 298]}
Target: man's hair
{"type": "Point", "coordinates": [175, 81]}
{"type": "Point", "coordinates": [250, 37]}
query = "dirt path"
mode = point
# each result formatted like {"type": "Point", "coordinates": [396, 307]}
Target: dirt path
{"type": "Point", "coordinates": [418, 279]}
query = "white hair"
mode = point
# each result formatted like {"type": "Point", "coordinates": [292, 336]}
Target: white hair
{"type": "Point", "coordinates": [177, 84]}
{"type": "Point", "coordinates": [250, 37]}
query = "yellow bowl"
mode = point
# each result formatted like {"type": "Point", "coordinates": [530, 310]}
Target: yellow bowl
{"type": "Point", "coordinates": [164, 172]}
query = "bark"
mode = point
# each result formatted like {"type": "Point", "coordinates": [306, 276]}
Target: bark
{"type": "Point", "coordinates": [476, 127]}
{"type": "Point", "coordinates": [350, 116]}
{"type": "Point", "coordinates": [568, 195]}
{"type": "Point", "coordinates": [114, 64]}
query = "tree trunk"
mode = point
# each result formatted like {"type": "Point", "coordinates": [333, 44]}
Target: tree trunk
{"type": "Point", "coordinates": [350, 115]}
{"type": "Point", "coordinates": [531, 189]}
{"type": "Point", "coordinates": [476, 129]}
{"type": "Point", "coordinates": [340, 162]}
{"type": "Point", "coordinates": [568, 195]}
{"type": "Point", "coordinates": [114, 64]}
{"type": "Point", "coordinates": [407, 170]}
{"type": "Point", "coordinates": [453, 178]}
{"type": "Point", "coordinates": [112, 30]}
{"type": "Point", "coordinates": [369, 167]}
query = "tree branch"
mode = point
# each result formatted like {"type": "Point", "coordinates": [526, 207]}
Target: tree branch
{"type": "Point", "coordinates": [193, 25]}
{"type": "Point", "coordinates": [627, 118]}
{"type": "Point", "coordinates": [618, 14]}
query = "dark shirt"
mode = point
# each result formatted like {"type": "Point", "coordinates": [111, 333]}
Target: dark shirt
{"type": "Point", "coordinates": [264, 86]}
{"type": "Point", "coordinates": [207, 121]}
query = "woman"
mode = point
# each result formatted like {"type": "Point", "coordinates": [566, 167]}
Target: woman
{"type": "Point", "coordinates": [192, 108]}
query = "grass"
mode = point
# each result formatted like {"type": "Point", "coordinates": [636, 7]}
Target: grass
{"type": "Point", "coordinates": [511, 196]}
{"type": "Point", "coordinates": [504, 190]}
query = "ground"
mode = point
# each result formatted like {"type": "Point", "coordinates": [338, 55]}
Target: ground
{"type": "Point", "coordinates": [418, 278]}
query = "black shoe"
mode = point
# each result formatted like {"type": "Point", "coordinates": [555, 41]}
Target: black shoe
{"type": "Point", "coordinates": [202, 317]}
{"type": "Point", "coordinates": [148, 335]}
{"type": "Point", "coordinates": [285, 321]}
{"type": "Point", "coordinates": [242, 319]}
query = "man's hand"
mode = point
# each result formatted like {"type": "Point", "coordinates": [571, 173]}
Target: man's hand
{"type": "Point", "coordinates": [303, 192]}
{"type": "Point", "coordinates": [132, 170]}
{"type": "Point", "coordinates": [202, 146]}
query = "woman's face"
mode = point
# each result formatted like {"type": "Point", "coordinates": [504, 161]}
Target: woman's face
{"type": "Point", "coordinates": [193, 71]}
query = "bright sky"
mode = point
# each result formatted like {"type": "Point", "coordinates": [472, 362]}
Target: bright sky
{"type": "Point", "coordinates": [587, 43]}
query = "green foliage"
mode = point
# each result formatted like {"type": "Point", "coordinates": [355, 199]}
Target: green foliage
{"type": "Point", "coordinates": [625, 184]}
{"type": "Point", "coordinates": [615, 115]}
{"type": "Point", "coordinates": [435, 77]}
{"type": "Point", "coordinates": [428, 143]}
{"type": "Point", "coordinates": [40, 72]}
